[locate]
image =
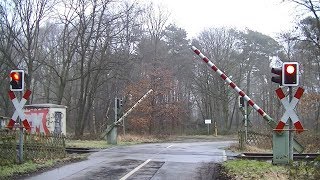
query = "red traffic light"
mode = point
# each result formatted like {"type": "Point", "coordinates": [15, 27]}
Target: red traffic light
{"type": "Point", "coordinates": [290, 69]}
{"type": "Point", "coordinates": [16, 80]}
{"type": "Point", "coordinates": [290, 74]}
{"type": "Point", "coordinates": [15, 76]}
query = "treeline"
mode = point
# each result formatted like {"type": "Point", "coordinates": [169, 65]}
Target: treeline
{"type": "Point", "coordinates": [83, 54]}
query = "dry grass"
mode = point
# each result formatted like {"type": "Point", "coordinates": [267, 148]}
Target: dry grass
{"type": "Point", "coordinates": [247, 148]}
{"type": "Point", "coordinates": [310, 140]}
{"type": "Point", "coordinates": [122, 140]}
{"type": "Point", "coordinates": [136, 139]}
{"type": "Point", "coordinates": [130, 139]}
{"type": "Point", "coordinates": [87, 144]}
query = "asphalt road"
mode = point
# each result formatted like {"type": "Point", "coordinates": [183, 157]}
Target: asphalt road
{"type": "Point", "coordinates": [177, 160]}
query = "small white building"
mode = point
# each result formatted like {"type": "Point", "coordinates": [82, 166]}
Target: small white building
{"type": "Point", "coordinates": [46, 118]}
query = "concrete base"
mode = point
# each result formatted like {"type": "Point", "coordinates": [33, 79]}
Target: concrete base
{"type": "Point", "coordinates": [112, 136]}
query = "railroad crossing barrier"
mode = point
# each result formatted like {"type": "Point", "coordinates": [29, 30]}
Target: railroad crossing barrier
{"type": "Point", "coordinates": [296, 145]}
{"type": "Point", "coordinates": [111, 131]}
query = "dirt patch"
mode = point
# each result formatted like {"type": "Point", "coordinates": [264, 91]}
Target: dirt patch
{"type": "Point", "coordinates": [147, 171]}
{"type": "Point", "coordinates": [126, 162]}
{"type": "Point", "coordinates": [213, 171]}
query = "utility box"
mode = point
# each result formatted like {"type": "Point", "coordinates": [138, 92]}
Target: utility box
{"type": "Point", "coordinates": [281, 147]}
{"type": "Point", "coordinates": [46, 118]}
{"type": "Point", "coordinates": [3, 122]}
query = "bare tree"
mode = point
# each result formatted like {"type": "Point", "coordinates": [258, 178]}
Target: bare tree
{"type": "Point", "coordinates": [219, 45]}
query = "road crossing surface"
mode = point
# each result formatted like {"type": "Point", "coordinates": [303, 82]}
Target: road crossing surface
{"type": "Point", "coordinates": [159, 161]}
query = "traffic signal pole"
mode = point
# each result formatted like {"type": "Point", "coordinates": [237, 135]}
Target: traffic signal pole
{"type": "Point", "coordinates": [246, 119]}
{"type": "Point", "coordinates": [115, 109]}
{"type": "Point", "coordinates": [113, 133]}
{"type": "Point", "coordinates": [17, 85]}
{"type": "Point", "coordinates": [290, 154]}
{"type": "Point", "coordinates": [20, 152]}
{"type": "Point", "coordinates": [298, 147]}
{"type": "Point", "coordinates": [244, 108]}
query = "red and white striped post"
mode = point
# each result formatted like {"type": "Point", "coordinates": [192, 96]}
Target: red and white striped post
{"type": "Point", "coordinates": [289, 113]}
{"type": "Point", "coordinates": [18, 112]}
{"type": "Point", "coordinates": [265, 116]}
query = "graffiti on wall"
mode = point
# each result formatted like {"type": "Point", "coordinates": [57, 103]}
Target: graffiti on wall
{"type": "Point", "coordinates": [38, 120]}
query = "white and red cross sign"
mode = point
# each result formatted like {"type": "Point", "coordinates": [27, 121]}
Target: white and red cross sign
{"type": "Point", "coordinates": [18, 112]}
{"type": "Point", "coordinates": [290, 112]}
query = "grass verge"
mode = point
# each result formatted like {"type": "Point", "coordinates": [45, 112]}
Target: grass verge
{"type": "Point", "coordinates": [138, 139]}
{"type": "Point", "coordinates": [122, 140]}
{"type": "Point", "coordinates": [252, 169]}
{"type": "Point", "coordinates": [247, 148]}
{"type": "Point", "coordinates": [87, 144]}
{"type": "Point", "coordinates": [30, 167]}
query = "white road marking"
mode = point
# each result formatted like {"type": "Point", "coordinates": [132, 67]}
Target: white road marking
{"type": "Point", "coordinates": [140, 166]}
{"type": "Point", "coordinates": [224, 156]}
{"type": "Point", "coordinates": [135, 170]}
{"type": "Point", "coordinates": [169, 146]}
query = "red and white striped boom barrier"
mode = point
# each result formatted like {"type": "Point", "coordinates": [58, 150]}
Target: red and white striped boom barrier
{"type": "Point", "coordinates": [235, 87]}
{"type": "Point", "coordinates": [133, 107]}
{"type": "Point", "coordinates": [265, 116]}
{"type": "Point", "coordinates": [116, 123]}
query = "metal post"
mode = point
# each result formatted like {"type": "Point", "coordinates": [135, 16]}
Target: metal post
{"type": "Point", "coordinates": [124, 127]}
{"type": "Point", "coordinates": [20, 153]}
{"type": "Point", "coordinates": [20, 142]}
{"type": "Point", "coordinates": [241, 140]}
{"type": "Point", "coordinates": [208, 129]}
{"type": "Point", "coordinates": [115, 109]}
{"type": "Point", "coordinates": [245, 121]}
{"type": "Point", "coordinates": [215, 129]}
{"type": "Point", "coordinates": [112, 135]}
{"type": "Point", "coordinates": [290, 155]}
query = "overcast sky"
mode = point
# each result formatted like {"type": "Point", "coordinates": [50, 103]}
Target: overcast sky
{"type": "Point", "coordinates": [269, 17]}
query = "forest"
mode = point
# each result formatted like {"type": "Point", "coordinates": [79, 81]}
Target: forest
{"type": "Point", "coordinates": [85, 53]}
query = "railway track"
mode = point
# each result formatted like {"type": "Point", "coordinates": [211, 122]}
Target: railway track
{"type": "Point", "coordinates": [80, 150]}
{"type": "Point", "coordinates": [268, 156]}
{"type": "Point", "coordinates": [246, 155]}
{"type": "Point", "coordinates": [71, 150]}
